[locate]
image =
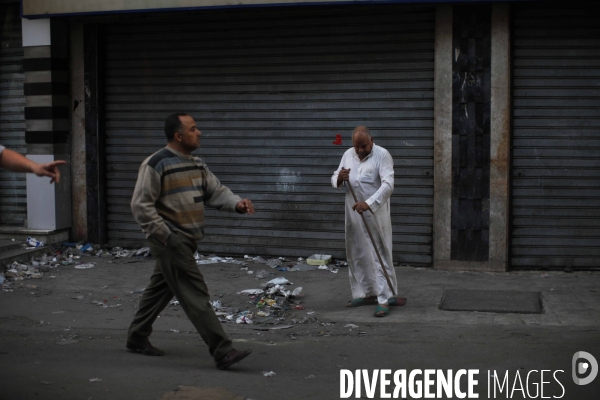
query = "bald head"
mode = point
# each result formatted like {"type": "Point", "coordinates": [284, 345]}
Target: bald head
{"type": "Point", "coordinates": [361, 131]}
{"type": "Point", "coordinates": [362, 142]}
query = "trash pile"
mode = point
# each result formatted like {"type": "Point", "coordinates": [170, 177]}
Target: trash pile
{"type": "Point", "coordinates": [73, 249]}
{"type": "Point", "coordinates": [283, 265]}
{"type": "Point", "coordinates": [272, 303]}
{"type": "Point", "coordinates": [275, 304]}
{"type": "Point", "coordinates": [76, 254]}
{"type": "Point", "coordinates": [213, 259]}
{"type": "Point", "coordinates": [18, 272]}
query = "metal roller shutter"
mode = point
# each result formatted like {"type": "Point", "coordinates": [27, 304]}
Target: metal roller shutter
{"type": "Point", "coordinates": [13, 193]}
{"type": "Point", "coordinates": [270, 89]}
{"type": "Point", "coordinates": [556, 136]}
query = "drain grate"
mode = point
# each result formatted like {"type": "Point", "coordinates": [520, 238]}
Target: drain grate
{"type": "Point", "coordinates": [498, 301]}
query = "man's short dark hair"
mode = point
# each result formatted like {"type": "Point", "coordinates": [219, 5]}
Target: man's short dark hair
{"type": "Point", "coordinates": [173, 125]}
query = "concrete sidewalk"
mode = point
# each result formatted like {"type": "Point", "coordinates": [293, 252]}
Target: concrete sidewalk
{"type": "Point", "coordinates": [569, 299]}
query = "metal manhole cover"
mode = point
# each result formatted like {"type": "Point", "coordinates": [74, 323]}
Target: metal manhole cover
{"type": "Point", "coordinates": [498, 301]}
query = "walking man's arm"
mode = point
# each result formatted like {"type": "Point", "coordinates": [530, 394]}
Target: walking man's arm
{"type": "Point", "coordinates": [143, 204]}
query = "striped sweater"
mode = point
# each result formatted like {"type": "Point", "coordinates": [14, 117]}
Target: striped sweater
{"type": "Point", "coordinates": [170, 194]}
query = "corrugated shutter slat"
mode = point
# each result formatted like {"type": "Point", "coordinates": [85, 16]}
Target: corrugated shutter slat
{"type": "Point", "coordinates": [556, 136]}
{"type": "Point", "coordinates": [13, 191]}
{"type": "Point", "coordinates": [270, 89]}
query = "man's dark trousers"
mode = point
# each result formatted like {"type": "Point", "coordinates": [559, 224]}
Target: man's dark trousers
{"type": "Point", "coordinates": [176, 273]}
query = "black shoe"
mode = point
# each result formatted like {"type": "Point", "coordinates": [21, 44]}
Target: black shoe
{"type": "Point", "coordinates": [231, 358]}
{"type": "Point", "coordinates": [144, 347]}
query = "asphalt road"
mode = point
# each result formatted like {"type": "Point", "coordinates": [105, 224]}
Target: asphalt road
{"type": "Point", "coordinates": [55, 339]}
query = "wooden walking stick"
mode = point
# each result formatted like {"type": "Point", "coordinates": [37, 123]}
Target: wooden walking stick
{"type": "Point", "coordinates": [387, 277]}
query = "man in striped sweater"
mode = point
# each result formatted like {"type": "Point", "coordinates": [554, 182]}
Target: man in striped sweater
{"type": "Point", "coordinates": [168, 202]}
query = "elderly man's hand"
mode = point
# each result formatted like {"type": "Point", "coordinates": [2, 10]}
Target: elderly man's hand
{"type": "Point", "coordinates": [48, 169]}
{"type": "Point", "coordinates": [361, 207]}
{"type": "Point", "coordinates": [245, 207]}
{"type": "Point", "coordinates": [343, 176]}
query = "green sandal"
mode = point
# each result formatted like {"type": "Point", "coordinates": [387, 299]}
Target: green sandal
{"type": "Point", "coordinates": [381, 311]}
{"type": "Point", "coordinates": [361, 302]}
{"type": "Point", "coordinates": [397, 301]}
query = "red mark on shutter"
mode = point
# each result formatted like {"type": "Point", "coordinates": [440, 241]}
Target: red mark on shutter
{"type": "Point", "coordinates": [338, 139]}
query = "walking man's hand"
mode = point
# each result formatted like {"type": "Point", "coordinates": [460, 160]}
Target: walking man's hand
{"type": "Point", "coordinates": [245, 207]}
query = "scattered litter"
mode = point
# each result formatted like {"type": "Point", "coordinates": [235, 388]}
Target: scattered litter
{"type": "Point", "coordinates": [85, 266]}
{"type": "Point", "coordinates": [95, 380]}
{"type": "Point", "coordinates": [138, 291]}
{"type": "Point", "coordinates": [318, 259]}
{"type": "Point", "coordinates": [268, 374]}
{"type": "Point", "coordinates": [119, 252]}
{"type": "Point", "coordinates": [250, 272]}
{"type": "Point", "coordinates": [262, 274]}
{"type": "Point", "coordinates": [251, 291]}
{"type": "Point", "coordinates": [274, 263]}
{"type": "Point", "coordinates": [12, 273]}
{"type": "Point", "coordinates": [300, 259]}
{"type": "Point", "coordinates": [297, 291]}
{"type": "Point", "coordinates": [303, 267]}
{"type": "Point", "coordinates": [206, 261]}
{"type": "Point", "coordinates": [144, 252]}
{"type": "Point", "coordinates": [277, 281]}
{"type": "Point", "coordinates": [99, 303]}
{"type": "Point", "coordinates": [174, 330]}
{"type": "Point", "coordinates": [69, 340]}
{"type": "Point", "coordinates": [244, 319]}
{"type": "Point", "coordinates": [216, 304]}
{"type": "Point", "coordinates": [351, 326]}
{"type": "Point", "coordinates": [545, 275]}
{"type": "Point", "coordinates": [174, 303]}
{"type": "Point", "coordinates": [34, 242]}
{"type": "Point", "coordinates": [259, 259]}
{"type": "Point", "coordinates": [263, 314]}
{"type": "Point", "coordinates": [323, 267]}
{"type": "Point", "coordinates": [272, 328]}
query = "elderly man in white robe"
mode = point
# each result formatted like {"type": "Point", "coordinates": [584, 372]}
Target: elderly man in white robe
{"type": "Point", "coordinates": [370, 170]}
